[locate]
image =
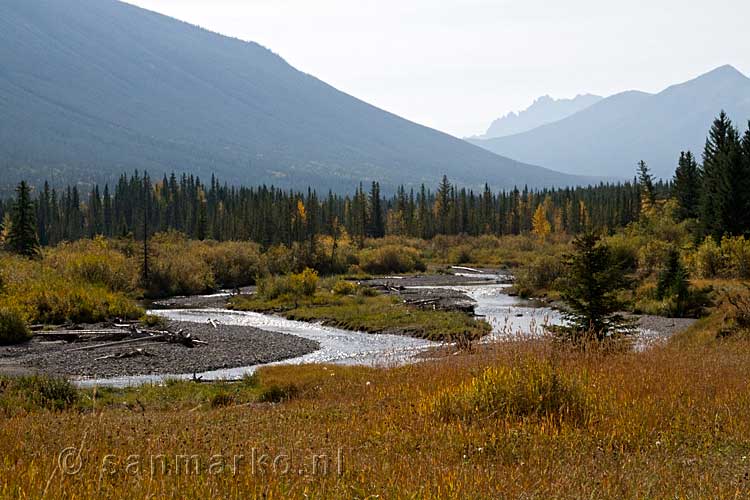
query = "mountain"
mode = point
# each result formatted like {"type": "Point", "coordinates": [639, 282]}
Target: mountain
{"type": "Point", "coordinates": [544, 110]}
{"type": "Point", "coordinates": [91, 88]}
{"type": "Point", "coordinates": [611, 136]}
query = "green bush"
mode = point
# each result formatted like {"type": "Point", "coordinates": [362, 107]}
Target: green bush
{"type": "Point", "coordinates": [391, 259]}
{"type": "Point", "coordinates": [273, 287]}
{"type": "Point", "coordinates": [625, 249]}
{"type": "Point", "coordinates": [38, 391]}
{"type": "Point", "coordinates": [13, 329]}
{"type": "Point", "coordinates": [540, 275]}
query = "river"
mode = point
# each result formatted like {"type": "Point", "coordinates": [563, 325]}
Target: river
{"type": "Point", "coordinates": [510, 318]}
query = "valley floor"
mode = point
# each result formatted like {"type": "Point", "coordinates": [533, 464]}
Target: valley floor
{"type": "Point", "coordinates": [669, 422]}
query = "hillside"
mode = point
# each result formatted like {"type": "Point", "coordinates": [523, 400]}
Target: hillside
{"type": "Point", "coordinates": [609, 137]}
{"type": "Point", "coordinates": [90, 88]}
{"type": "Point", "coordinates": [544, 110]}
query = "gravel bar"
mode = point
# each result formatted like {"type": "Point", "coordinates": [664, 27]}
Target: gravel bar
{"type": "Point", "coordinates": [228, 347]}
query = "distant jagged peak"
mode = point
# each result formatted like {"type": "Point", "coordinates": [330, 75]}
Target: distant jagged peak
{"type": "Point", "coordinates": [545, 109]}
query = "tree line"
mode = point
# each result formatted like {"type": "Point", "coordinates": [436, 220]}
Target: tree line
{"type": "Point", "coordinates": [137, 205]}
{"type": "Point", "coordinates": [715, 193]}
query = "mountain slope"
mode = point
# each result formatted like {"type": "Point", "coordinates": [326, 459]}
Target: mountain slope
{"type": "Point", "coordinates": [89, 88]}
{"type": "Point", "coordinates": [544, 110]}
{"type": "Point", "coordinates": [610, 137]}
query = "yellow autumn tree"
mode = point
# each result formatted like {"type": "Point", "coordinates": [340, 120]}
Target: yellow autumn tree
{"type": "Point", "coordinates": [539, 223]}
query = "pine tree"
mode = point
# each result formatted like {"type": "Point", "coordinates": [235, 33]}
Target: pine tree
{"type": "Point", "coordinates": [377, 225]}
{"type": "Point", "coordinates": [443, 206]}
{"type": "Point", "coordinates": [22, 235]}
{"type": "Point", "coordinates": [686, 187]}
{"type": "Point", "coordinates": [590, 288]}
{"type": "Point", "coordinates": [646, 182]}
{"type": "Point", "coordinates": [673, 280]}
{"type": "Point", "coordinates": [724, 199]}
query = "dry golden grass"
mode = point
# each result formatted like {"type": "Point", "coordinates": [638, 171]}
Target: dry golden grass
{"type": "Point", "coordinates": [668, 423]}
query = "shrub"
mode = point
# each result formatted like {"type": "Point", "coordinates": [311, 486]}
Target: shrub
{"type": "Point", "coordinates": [652, 256]}
{"type": "Point", "coordinates": [625, 250]}
{"type": "Point", "coordinates": [344, 288]}
{"type": "Point", "coordinates": [46, 392]}
{"type": "Point", "coordinates": [277, 393]}
{"type": "Point", "coordinates": [533, 389]}
{"type": "Point", "coordinates": [707, 260]}
{"type": "Point", "coordinates": [95, 262]}
{"type": "Point", "coordinates": [460, 255]}
{"type": "Point", "coordinates": [154, 321]}
{"type": "Point", "coordinates": [13, 329]}
{"type": "Point", "coordinates": [233, 264]}
{"type": "Point", "coordinates": [304, 283]}
{"type": "Point", "coordinates": [273, 287]}
{"type": "Point", "coordinates": [539, 275]}
{"type": "Point", "coordinates": [56, 300]}
{"type": "Point", "coordinates": [278, 260]}
{"type": "Point", "coordinates": [391, 259]}
{"type": "Point", "coordinates": [221, 399]}
{"type": "Point", "coordinates": [177, 269]}
{"type": "Point", "coordinates": [736, 251]}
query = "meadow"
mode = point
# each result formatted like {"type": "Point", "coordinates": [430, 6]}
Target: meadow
{"type": "Point", "coordinates": [516, 420]}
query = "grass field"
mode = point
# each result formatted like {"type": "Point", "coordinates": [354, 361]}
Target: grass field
{"type": "Point", "coordinates": [540, 423]}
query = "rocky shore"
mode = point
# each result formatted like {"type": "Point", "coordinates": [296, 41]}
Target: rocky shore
{"type": "Point", "coordinates": [225, 347]}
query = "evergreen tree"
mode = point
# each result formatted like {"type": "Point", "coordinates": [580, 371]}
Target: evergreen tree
{"type": "Point", "coordinates": [22, 235]}
{"type": "Point", "coordinates": [377, 225]}
{"type": "Point", "coordinates": [590, 287]}
{"type": "Point", "coordinates": [686, 187]}
{"type": "Point", "coordinates": [443, 206]}
{"type": "Point", "coordinates": [725, 199]}
{"type": "Point", "coordinates": [646, 183]}
{"type": "Point", "coordinates": [673, 280]}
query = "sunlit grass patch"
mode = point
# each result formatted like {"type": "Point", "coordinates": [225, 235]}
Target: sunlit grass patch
{"type": "Point", "coordinates": [535, 388]}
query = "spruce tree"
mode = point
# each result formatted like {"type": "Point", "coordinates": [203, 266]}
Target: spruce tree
{"type": "Point", "coordinates": [377, 224]}
{"type": "Point", "coordinates": [686, 187]}
{"type": "Point", "coordinates": [590, 289]}
{"type": "Point", "coordinates": [646, 182]}
{"type": "Point", "coordinates": [22, 237]}
{"type": "Point", "coordinates": [724, 199]}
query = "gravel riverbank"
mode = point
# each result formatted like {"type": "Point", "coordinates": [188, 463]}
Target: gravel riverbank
{"type": "Point", "coordinates": [228, 347]}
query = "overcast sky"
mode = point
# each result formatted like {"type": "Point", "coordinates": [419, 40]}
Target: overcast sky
{"type": "Point", "coordinates": [456, 65]}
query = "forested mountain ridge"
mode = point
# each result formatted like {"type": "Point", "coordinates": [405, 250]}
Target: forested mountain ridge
{"type": "Point", "coordinates": [610, 136]}
{"type": "Point", "coordinates": [92, 88]}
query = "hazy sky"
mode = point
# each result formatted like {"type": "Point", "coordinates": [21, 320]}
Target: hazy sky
{"type": "Point", "coordinates": [455, 65]}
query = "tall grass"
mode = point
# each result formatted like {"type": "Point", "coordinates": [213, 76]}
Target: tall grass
{"type": "Point", "coordinates": [648, 433]}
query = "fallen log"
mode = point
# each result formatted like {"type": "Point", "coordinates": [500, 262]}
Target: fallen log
{"type": "Point", "coordinates": [66, 336]}
{"type": "Point", "coordinates": [124, 355]}
{"type": "Point", "coordinates": [118, 343]}
{"type": "Point", "coordinates": [468, 269]}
